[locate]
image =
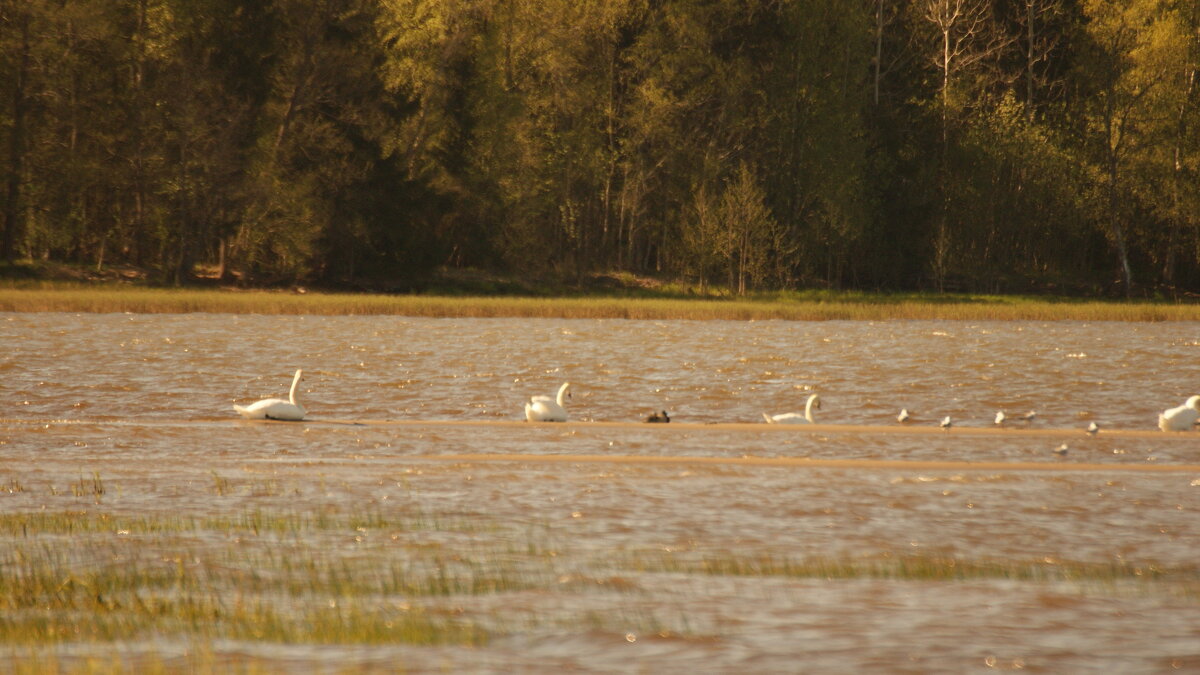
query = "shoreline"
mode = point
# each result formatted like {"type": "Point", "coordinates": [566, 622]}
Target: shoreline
{"type": "Point", "coordinates": [822, 306]}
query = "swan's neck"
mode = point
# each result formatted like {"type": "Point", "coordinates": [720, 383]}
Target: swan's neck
{"type": "Point", "coordinates": [562, 393]}
{"type": "Point", "coordinates": [808, 408]}
{"type": "Point", "coordinates": [295, 383]}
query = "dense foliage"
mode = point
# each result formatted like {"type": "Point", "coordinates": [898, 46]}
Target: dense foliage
{"type": "Point", "coordinates": [981, 145]}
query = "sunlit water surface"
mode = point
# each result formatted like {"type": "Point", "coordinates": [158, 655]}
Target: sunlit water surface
{"type": "Point", "coordinates": [145, 401]}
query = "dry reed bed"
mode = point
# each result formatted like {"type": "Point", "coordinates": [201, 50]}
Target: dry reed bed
{"type": "Point", "coordinates": [809, 307]}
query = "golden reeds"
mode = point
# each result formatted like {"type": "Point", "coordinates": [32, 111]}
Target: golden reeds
{"type": "Point", "coordinates": [810, 306]}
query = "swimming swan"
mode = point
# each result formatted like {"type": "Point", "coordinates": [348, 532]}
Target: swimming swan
{"type": "Point", "coordinates": [543, 409]}
{"type": "Point", "coordinates": [1181, 418]}
{"type": "Point", "coordinates": [814, 401]}
{"type": "Point", "coordinates": [275, 408]}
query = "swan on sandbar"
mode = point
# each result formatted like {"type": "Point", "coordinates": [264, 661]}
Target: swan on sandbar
{"type": "Point", "coordinates": [657, 417]}
{"type": "Point", "coordinates": [999, 417]}
{"type": "Point", "coordinates": [814, 401]}
{"type": "Point", "coordinates": [946, 423]}
{"type": "Point", "coordinates": [546, 409]}
{"type": "Point", "coordinates": [1180, 418]}
{"type": "Point", "coordinates": [275, 408]}
{"type": "Point", "coordinates": [903, 416]}
{"type": "Point", "coordinates": [1093, 428]}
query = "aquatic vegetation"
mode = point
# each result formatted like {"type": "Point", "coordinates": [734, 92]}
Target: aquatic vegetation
{"type": "Point", "coordinates": [368, 577]}
{"type": "Point", "coordinates": [925, 567]}
{"type": "Point", "coordinates": [99, 579]}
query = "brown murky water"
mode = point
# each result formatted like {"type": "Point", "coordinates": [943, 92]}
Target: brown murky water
{"type": "Point", "coordinates": [145, 401]}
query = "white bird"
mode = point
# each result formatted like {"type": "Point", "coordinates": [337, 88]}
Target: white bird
{"type": "Point", "coordinates": [546, 409]}
{"type": "Point", "coordinates": [1182, 417]}
{"type": "Point", "coordinates": [1093, 428]}
{"type": "Point", "coordinates": [1061, 450]}
{"type": "Point", "coordinates": [903, 416]}
{"type": "Point", "coordinates": [1000, 417]}
{"type": "Point", "coordinates": [945, 422]}
{"type": "Point", "coordinates": [1028, 417]}
{"type": "Point", "coordinates": [814, 401]}
{"type": "Point", "coordinates": [275, 408]}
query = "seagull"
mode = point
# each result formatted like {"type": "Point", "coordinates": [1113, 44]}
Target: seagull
{"type": "Point", "coordinates": [1061, 450]}
{"type": "Point", "coordinates": [903, 416]}
{"type": "Point", "coordinates": [1093, 428]}
{"type": "Point", "coordinates": [656, 417]}
{"type": "Point", "coordinates": [945, 422]}
{"type": "Point", "coordinates": [1000, 417]}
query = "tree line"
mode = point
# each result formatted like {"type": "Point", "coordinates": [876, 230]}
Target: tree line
{"type": "Point", "coordinates": [982, 145]}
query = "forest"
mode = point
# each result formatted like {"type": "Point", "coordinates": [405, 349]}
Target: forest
{"type": "Point", "coordinates": [941, 145]}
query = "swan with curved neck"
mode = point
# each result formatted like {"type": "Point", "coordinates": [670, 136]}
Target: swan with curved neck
{"type": "Point", "coordinates": [275, 408]}
{"type": "Point", "coordinates": [1180, 418]}
{"type": "Point", "coordinates": [545, 409]}
{"type": "Point", "coordinates": [814, 401]}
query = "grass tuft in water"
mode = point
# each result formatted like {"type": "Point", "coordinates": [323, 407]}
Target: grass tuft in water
{"type": "Point", "coordinates": [89, 487]}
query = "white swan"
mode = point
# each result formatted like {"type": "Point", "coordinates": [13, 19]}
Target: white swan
{"type": "Point", "coordinates": [545, 409]}
{"type": "Point", "coordinates": [1182, 417]}
{"type": "Point", "coordinates": [275, 408]}
{"type": "Point", "coordinates": [814, 401]}
{"type": "Point", "coordinates": [903, 416]}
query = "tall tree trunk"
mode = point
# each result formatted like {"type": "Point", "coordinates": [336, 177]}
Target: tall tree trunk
{"type": "Point", "coordinates": [1176, 221]}
{"type": "Point", "coordinates": [1116, 227]}
{"type": "Point", "coordinates": [1029, 60]}
{"type": "Point", "coordinates": [13, 215]}
{"type": "Point", "coordinates": [878, 47]}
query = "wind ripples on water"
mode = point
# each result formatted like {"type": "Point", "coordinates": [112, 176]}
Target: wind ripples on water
{"type": "Point", "coordinates": [196, 365]}
{"type": "Point", "coordinates": [145, 402]}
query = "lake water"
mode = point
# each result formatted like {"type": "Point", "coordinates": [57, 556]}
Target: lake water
{"type": "Point", "coordinates": [145, 401]}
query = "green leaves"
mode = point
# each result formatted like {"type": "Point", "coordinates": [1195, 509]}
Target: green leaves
{"type": "Point", "coordinates": [939, 143]}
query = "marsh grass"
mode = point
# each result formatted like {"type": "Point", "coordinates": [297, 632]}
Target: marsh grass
{"type": "Point", "coordinates": [813, 305]}
{"type": "Point", "coordinates": [1184, 581]}
{"type": "Point", "coordinates": [89, 487]}
{"type": "Point", "coordinates": [88, 581]}
{"type": "Point", "coordinates": [276, 576]}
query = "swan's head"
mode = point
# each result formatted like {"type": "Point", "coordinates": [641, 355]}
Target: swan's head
{"type": "Point", "coordinates": [815, 401]}
{"type": "Point", "coordinates": [1193, 402]}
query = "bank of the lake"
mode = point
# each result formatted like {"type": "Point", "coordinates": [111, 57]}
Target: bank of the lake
{"type": "Point", "coordinates": [806, 306]}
